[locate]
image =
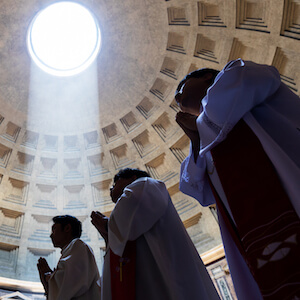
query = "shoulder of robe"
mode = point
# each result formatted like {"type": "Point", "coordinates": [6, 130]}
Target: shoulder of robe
{"type": "Point", "coordinates": [146, 186]}
{"type": "Point", "coordinates": [145, 183]}
{"type": "Point", "coordinates": [80, 245]}
{"type": "Point", "coordinates": [249, 73]}
{"type": "Point", "coordinates": [234, 63]}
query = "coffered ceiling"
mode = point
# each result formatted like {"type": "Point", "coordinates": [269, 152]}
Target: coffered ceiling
{"type": "Point", "coordinates": [62, 139]}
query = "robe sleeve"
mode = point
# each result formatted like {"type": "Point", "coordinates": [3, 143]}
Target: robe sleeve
{"type": "Point", "coordinates": [75, 273]}
{"type": "Point", "coordinates": [140, 206]}
{"type": "Point", "coordinates": [238, 88]}
{"type": "Point", "coordinates": [194, 180]}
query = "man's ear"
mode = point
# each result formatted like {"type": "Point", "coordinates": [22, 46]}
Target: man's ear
{"type": "Point", "coordinates": [208, 76]}
{"type": "Point", "coordinates": [68, 228]}
{"type": "Point", "coordinates": [132, 179]}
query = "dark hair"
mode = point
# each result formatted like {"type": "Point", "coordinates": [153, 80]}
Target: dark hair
{"type": "Point", "coordinates": [128, 173]}
{"type": "Point", "coordinates": [74, 222]}
{"type": "Point", "coordinates": [198, 74]}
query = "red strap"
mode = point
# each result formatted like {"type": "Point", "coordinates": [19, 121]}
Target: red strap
{"type": "Point", "coordinates": [122, 273]}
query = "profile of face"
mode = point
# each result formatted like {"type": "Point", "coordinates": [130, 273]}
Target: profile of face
{"type": "Point", "coordinates": [190, 94]}
{"type": "Point", "coordinates": [59, 236]}
{"type": "Point", "coordinates": [118, 187]}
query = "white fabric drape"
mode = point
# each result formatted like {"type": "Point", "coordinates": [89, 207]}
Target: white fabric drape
{"type": "Point", "coordinates": [254, 93]}
{"type": "Point", "coordinates": [168, 266]}
{"type": "Point", "coordinates": [76, 275]}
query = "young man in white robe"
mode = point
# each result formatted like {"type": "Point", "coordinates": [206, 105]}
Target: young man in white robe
{"type": "Point", "coordinates": [76, 275]}
{"type": "Point", "coordinates": [244, 127]}
{"type": "Point", "coordinates": [149, 253]}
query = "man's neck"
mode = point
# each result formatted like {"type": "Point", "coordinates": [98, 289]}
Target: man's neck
{"type": "Point", "coordinates": [66, 243]}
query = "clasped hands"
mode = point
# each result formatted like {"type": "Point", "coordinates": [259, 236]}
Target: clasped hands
{"type": "Point", "coordinates": [188, 124]}
{"type": "Point", "coordinates": [44, 272]}
{"type": "Point", "coordinates": [100, 221]}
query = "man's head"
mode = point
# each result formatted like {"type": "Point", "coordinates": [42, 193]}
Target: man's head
{"type": "Point", "coordinates": [123, 178]}
{"type": "Point", "coordinates": [192, 89]}
{"type": "Point", "coordinates": [64, 230]}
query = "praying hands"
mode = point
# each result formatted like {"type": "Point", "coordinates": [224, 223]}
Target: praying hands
{"type": "Point", "coordinates": [188, 124]}
{"type": "Point", "coordinates": [100, 221]}
{"type": "Point", "coordinates": [44, 272]}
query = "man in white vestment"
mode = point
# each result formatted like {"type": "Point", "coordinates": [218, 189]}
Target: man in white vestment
{"type": "Point", "coordinates": [149, 253]}
{"type": "Point", "coordinates": [76, 275]}
{"type": "Point", "coordinates": [244, 127]}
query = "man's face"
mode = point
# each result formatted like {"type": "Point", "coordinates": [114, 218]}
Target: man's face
{"type": "Point", "coordinates": [191, 93]}
{"type": "Point", "coordinates": [117, 189]}
{"type": "Point", "coordinates": [58, 236]}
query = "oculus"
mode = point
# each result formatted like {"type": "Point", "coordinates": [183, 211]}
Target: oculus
{"type": "Point", "coordinates": [64, 39]}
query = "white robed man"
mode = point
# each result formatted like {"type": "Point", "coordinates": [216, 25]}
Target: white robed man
{"type": "Point", "coordinates": [244, 127]}
{"type": "Point", "coordinates": [76, 275]}
{"type": "Point", "coordinates": [149, 252]}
